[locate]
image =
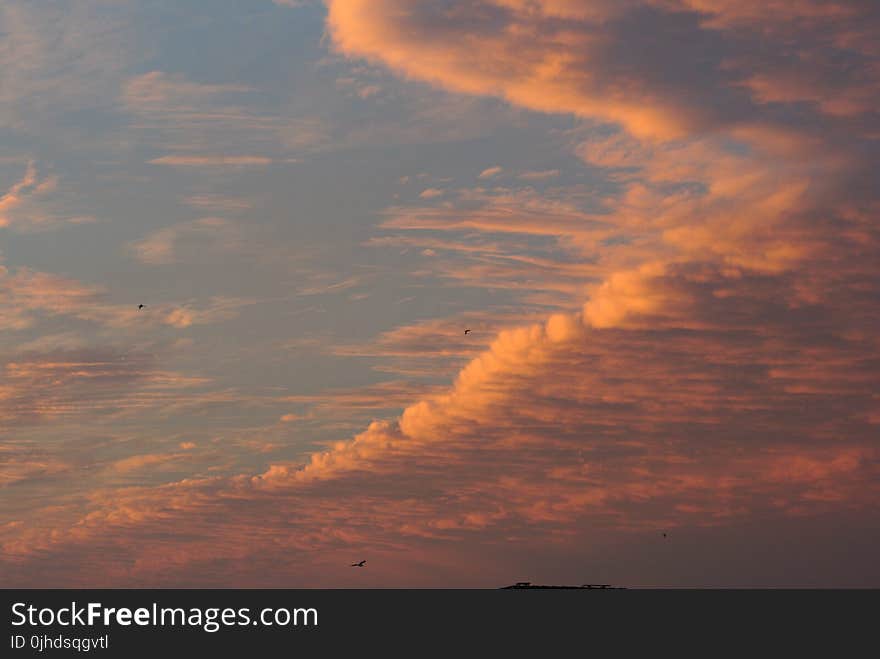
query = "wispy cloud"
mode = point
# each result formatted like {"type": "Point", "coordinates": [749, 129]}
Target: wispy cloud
{"type": "Point", "coordinates": [213, 125]}
{"type": "Point", "coordinates": [541, 175]}
{"type": "Point", "coordinates": [212, 161]}
{"type": "Point", "coordinates": [209, 233]}
{"type": "Point", "coordinates": [431, 193]}
{"type": "Point", "coordinates": [25, 207]}
{"type": "Point", "coordinates": [491, 172]}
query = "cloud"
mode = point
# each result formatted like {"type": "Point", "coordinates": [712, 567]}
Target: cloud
{"type": "Point", "coordinates": [26, 292]}
{"type": "Point", "coordinates": [22, 463]}
{"type": "Point", "coordinates": [58, 60]}
{"type": "Point", "coordinates": [28, 297]}
{"type": "Point", "coordinates": [217, 203]}
{"type": "Point", "coordinates": [28, 206]}
{"type": "Point", "coordinates": [212, 161]}
{"type": "Point", "coordinates": [208, 233]}
{"type": "Point", "coordinates": [150, 460]}
{"type": "Point", "coordinates": [41, 386]}
{"type": "Point", "coordinates": [212, 125]}
{"type": "Point", "coordinates": [427, 349]}
{"type": "Point", "coordinates": [324, 283]}
{"type": "Point", "coordinates": [382, 396]}
{"type": "Point", "coordinates": [490, 172]}
{"type": "Point", "coordinates": [512, 456]}
{"type": "Point", "coordinates": [593, 61]}
{"type": "Point", "coordinates": [217, 309]}
{"type": "Point", "coordinates": [541, 175]}
{"type": "Point", "coordinates": [507, 211]}
{"type": "Point", "coordinates": [159, 92]}
{"type": "Point", "coordinates": [431, 193]}
{"type": "Point", "coordinates": [14, 196]}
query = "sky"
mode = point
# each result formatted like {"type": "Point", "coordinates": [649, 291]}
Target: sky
{"type": "Point", "coordinates": [659, 220]}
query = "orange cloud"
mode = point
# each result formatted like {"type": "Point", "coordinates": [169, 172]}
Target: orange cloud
{"type": "Point", "coordinates": [26, 295]}
{"type": "Point", "coordinates": [556, 429]}
{"type": "Point", "coordinates": [163, 246]}
{"type": "Point", "coordinates": [212, 161]}
{"type": "Point", "coordinates": [596, 63]}
{"type": "Point", "coordinates": [28, 205]}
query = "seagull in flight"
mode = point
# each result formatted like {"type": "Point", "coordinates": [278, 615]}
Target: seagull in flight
{"type": "Point", "coordinates": [466, 331]}
{"type": "Point", "coordinates": [361, 564]}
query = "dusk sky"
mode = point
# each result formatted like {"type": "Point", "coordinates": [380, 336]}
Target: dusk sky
{"type": "Point", "coordinates": [660, 220]}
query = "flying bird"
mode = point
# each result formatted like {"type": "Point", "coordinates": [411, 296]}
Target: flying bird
{"type": "Point", "coordinates": [141, 306]}
{"type": "Point", "coordinates": [466, 331]}
{"type": "Point", "coordinates": [664, 535]}
{"type": "Point", "coordinates": [361, 564]}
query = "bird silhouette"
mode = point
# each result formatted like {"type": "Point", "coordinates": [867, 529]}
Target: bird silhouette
{"type": "Point", "coordinates": [466, 331]}
{"type": "Point", "coordinates": [141, 306]}
{"type": "Point", "coordinates": [664, 535]}
{"type": "Point", "coordinates": [361, 564]}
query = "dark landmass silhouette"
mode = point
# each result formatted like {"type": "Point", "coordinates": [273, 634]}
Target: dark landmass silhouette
{"type": "Point", "coordinates": [528, 585]}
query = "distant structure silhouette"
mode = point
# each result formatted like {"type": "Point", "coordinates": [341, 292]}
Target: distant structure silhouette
{"type": "Point", "coordinates": [528, 585]}
{"type": "Point", "coordinates": [360, 564]}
